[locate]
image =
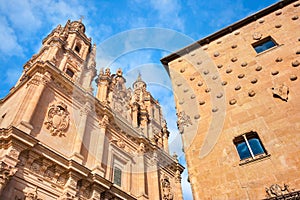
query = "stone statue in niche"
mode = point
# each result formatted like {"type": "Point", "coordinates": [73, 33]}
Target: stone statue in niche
{"type": "Point", "coordinates": [57, 119]}
{"type": "Point", "coordinates": [120, 80]}
{"type": "Point", "coordinates": [141, 149]}
{"type": "Point", "coordinates": [166, 189]}
{"type": "Point", "coordinates": [276, 190]}
{"type": "Point", "coordinates": [104, 121]}
{"type": "Point", "coordinates": [281, 91]}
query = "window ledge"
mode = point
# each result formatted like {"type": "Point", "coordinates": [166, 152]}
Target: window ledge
{"type": "Point", "coordinates": [255, 159]}
{"type": "Point", "coordinates": [271, 49]}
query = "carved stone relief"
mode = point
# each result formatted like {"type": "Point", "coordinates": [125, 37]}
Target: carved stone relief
{"type": "Point", "coordinates": [276, 190]}
{"type": "Point", "coordinates": [141, 149]}
{"type": "Point", "coordinates": [31, 194]}
{"type": "Point", "coordinates": [66, 196]}
{"type": "Point", "coordinates": [257, 36]}
{"type": "Point", "coordinates": [57, 119]}
{"type": "Point", "coordinates": [281, 91]}
{"type": "Point", "coordinates": [104, 121]}
{"type": "Point", "coordinates": [6, 172]}
{"type": "Point", "coordinates": [177, 176]}
{"type": "Point", "coordinates": [183, 121]}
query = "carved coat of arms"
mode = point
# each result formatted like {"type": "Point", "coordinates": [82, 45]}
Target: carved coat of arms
{"type": "Point", "coordinates": [57, 119]}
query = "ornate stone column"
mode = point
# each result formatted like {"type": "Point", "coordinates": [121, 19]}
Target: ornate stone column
{"type": "Point", "coordinates": [178, 188]}
{"type": "Point", "coordinates": [80, 132]}
{"type": "Point", "coordinates": [6, 172]}
{"type": "Point", "coordinates": [103, 82]}
{"type": "Point", "coordinates": [103, 123]}
{"type": "Point", "coordinates": [63, 61]}
{"type": "Point", "coordinates": [144, 121]}
{"type": "Point", "coordinates": [8, 163]}
{"type": "Point", "coordinates": [70, 188]}
{"type": "Point", "coordinates": [165, 136]}
{"type": "Point", "coordinates": [135, 115]}
{"type": "Point", "coordinates": [36, 86]}
{"type": "Point", "coordinates": [141, 170]}
{"type": "Point", "coordinates": [153, 177]}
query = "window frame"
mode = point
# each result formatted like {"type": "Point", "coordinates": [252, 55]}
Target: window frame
{"type": "Point", "coordinates": [77, 48]}
{"type": "Point", "coordinates": [264, 41]}
{"type": "Point", "coordinates": [245, 138]}
{"type": "Point", "coordinates": [70, 72]}
{"type": "Point", "coordinates": [119, 180]}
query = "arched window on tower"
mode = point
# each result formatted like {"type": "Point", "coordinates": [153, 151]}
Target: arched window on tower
{"type": "Point", "coordinates": [70, 73]}
{"type": "Point", "coordinates": [77, 48]}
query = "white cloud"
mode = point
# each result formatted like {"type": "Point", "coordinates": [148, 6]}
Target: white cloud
{"type": "Point", "coordinates": [21, 15]}
{"type": "Point", "coordinates": [9, 42]}
{"type": "Point", "coordinates": [168, 13]}
{"type": "Point", "coordinates": [12, 75]}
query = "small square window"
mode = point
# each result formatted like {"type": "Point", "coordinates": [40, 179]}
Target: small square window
{"type": "Point", "coordinates": [117, 176]}
{"type": "Point", "coordinates": [249, 146]}
{"type": "Point", "coordinates": [264, 44]}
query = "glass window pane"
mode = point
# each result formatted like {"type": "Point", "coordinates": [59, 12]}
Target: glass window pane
{"type": "Point", "coordinates": [117, 176]}
{"type": "Point", "coordinates": [256, 146]}
{"type": "Point", "coordinates": [264, 46]}
{"type": "Point", "coordinates": [243, 150]}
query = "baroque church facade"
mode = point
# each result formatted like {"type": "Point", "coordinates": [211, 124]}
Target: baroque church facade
{"type": "Point", "coordinates": [59, 141]}
{"type": "Point", "coordinates": [237, 99]}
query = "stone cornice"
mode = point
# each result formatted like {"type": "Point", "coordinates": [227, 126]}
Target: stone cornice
{"type": "Point", "coordinates": [82, 36]}
{"type": "Point", "coordinates": [227, 30]}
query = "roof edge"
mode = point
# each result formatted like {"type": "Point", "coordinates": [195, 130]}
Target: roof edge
{"type": "Point", "coordinates": [226, 30]}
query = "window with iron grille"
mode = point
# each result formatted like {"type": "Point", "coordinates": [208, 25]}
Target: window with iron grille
{"type": "Point", "coordinates": [117, 176]}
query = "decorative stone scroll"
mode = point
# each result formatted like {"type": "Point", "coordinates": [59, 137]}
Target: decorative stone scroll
{"type": "Point", "coordinates": [57, 119]}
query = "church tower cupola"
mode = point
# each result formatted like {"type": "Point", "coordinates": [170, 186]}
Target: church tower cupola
{"type": "Point", "coordinates": [139, 83]}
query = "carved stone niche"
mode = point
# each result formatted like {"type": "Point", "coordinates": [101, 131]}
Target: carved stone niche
{"type": "Point", "coordinates": [166, 188]}
{"type": "Point", "coordinates": [57, 119]}
{"type": "Point", "coordinates": [281, 91]}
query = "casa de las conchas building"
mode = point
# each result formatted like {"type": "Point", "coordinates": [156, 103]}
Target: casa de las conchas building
{"type": "Point", "coordinates": [238, 104]}
{"type": "Point", "coordinates": [59, 141]}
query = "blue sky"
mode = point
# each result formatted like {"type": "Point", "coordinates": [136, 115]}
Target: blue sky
{"type": "Point", "coordinates": [23, 25]}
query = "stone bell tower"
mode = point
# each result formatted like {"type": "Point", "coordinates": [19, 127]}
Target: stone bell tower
{"type": "Point", "coordinates": [65, 50]}
{"type": "Point", "coordinates": [70, 51]}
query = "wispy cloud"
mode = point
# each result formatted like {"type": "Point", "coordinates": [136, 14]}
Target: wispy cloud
{"type": "Point", "coordinates": [9, 42]}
